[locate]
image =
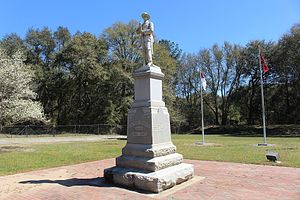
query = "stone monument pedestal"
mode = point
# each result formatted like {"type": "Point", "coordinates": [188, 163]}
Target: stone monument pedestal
{"type": "Point", "coordinates": [149, 160]}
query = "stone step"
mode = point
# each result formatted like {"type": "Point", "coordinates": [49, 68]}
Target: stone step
{"type": "Point", "coordinates": [149, 150]}
{"type": "Point", "coordinates": [149, 164]}
{"type": "Point", "coordinates": [154, 181]}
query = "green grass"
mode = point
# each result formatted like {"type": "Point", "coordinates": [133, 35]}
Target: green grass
{"type": "Point", "coordinates": [41, 156]}
{"type": "Point", "coordinates": [231, 149]}
{"type": "Point", "coordinates": [239, 149]}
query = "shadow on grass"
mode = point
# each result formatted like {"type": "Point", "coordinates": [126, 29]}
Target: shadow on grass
{"type": "Point", "coordinates": [117, 138]}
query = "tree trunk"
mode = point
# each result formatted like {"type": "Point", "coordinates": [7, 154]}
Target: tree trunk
{"type": "Point", "coordinates": [225, 111]}
{"type": "Point", "coordinates": [224, 117]}
{"type": "Point", "coordinates": [216, 112]}
{"type": "Point", "coordinates": [250, 111]}
{"type": "Point", "coordinates": [287, 100]}
{"type": "Point", "coordinates": [251, 107]}
{"type": "Point", "coordinates": [217, 116]}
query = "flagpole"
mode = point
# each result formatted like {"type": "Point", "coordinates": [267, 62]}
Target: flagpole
{"type": "Point", "coordinates": [262, 99]}
{"type": "Point", "coordinates": [202, 120]}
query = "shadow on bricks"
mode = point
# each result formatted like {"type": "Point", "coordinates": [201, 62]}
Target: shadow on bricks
{"type": "Point", "coordinates": [96, 182]}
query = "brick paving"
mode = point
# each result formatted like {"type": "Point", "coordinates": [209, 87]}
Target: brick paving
{"type": "Point", "coordinates": [222, 181]}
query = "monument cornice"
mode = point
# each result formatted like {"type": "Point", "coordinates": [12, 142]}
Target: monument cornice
{"type": "Point", "coordinates": [148, 71]}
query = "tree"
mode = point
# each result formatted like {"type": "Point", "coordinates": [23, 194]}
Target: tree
{"type": "Point", "coordinates": [124, 44]}
{"type": "Point", "coordinates": [231, 77]}
{"type": "Point", "coordinates": [41, 46]}
{"type": "Point", "coordinates": [42, 56]}
{"type": "Point", "coordinates": [84, 96]}
{"type": "Point", "coordinates": [62, 37]}
{"type": "Point", "coordinates": [211, 62]}
{"type": "Point", "coordinates": [248, 96]}
{"type": "Point", "coordinates": [163, 58]}
{"type": "Point", "coordinates": [172, 47]}
{"type": "Point", "coordinates": [17, 98]}
{"type": "Point", "coordinates": [188, 92]}
{"type": "Point", "coordinates": [284, 59]}
{"type": "Point", "coordinates": [12, 44]}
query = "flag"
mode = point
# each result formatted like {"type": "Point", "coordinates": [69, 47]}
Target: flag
{"type": "Point", "coordinates": [203, 81]}
{"type": "Point", "coordinates": [263, 63]}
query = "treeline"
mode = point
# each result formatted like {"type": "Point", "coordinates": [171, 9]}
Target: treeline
{"type": "Point", "coordinates": [87, 79]}
{"type": "Point", "coordinates": [233, 77]}
{"type": "Point", "coordinates": [84, 79]}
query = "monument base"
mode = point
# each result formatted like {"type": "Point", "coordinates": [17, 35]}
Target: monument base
{"type": "Point", "coordinates": [156, 182]}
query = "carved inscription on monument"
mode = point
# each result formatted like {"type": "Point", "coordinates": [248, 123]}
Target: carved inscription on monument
{"type": "Point", "coordinates": [139, 124]}
{"type": "Point", "coordinates": [139, 128]}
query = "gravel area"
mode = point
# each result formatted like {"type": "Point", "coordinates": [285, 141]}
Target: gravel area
{"type": "Point", "coordinates": [50, 139]}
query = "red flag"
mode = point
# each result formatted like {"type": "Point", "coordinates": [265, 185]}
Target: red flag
{"type": "Point", "coordinates": [263, 63]}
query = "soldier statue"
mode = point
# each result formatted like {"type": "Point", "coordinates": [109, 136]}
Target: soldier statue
{"type": "Point", "coordinates": [146, 31]}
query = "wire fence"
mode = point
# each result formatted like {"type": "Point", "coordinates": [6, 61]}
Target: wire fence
{"type": "Point", "coordinates": [40, 130]}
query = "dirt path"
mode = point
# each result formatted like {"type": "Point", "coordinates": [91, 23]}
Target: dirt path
{"type": "Point", "coordinates": [34, 140]}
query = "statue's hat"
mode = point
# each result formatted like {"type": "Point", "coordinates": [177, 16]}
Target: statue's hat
{"type": "Point", "coordinates": [145, 15]}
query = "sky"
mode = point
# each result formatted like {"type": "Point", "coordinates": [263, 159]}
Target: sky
{"type": "Point", "coordinates": [192, 24]}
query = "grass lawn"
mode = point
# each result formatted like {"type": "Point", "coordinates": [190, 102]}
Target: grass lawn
{"type": "Point", "coordinates": [239, 149]}
{"type": "Point", "coordinates": [14, 159]}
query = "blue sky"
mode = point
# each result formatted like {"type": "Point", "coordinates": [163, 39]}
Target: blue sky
{"type": "Point", "coordinates": [193, 24]}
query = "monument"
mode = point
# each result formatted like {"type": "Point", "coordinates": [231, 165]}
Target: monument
{"type": "Point", "coordinates": [149, 160]}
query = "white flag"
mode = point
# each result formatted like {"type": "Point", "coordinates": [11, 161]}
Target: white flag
{"type": "Point", "coordinates": [203, 81]}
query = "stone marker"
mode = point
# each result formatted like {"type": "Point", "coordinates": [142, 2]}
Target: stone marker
{"type": "Point", "coordinates": [149, 160]}
{"type": "Point", "coordinates": [272, 156]}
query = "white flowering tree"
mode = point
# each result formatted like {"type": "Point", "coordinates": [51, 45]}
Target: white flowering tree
{"type": "Point", "coordinates": [17, 99]}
